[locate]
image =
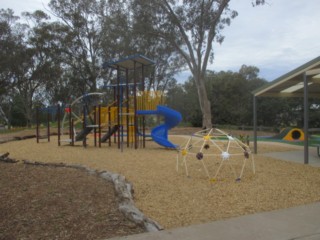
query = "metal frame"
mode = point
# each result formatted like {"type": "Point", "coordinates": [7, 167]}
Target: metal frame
{"type": "Point", "coordinates": [302, 75]}
{"type": "Point", "coordinates": [130, 63]}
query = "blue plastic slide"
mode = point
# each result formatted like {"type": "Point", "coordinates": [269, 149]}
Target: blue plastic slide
{"type": "Point", "coordinates": [159, 134]}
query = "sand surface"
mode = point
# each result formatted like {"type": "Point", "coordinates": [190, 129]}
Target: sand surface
{"type": "Point", "coordinates": [173, 199]}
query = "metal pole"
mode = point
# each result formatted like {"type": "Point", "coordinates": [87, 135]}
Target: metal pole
{"type": "Point", "coordinates": [84, 125]}
{"type": "Point", "coordinates": [119, 105]}
{"type": "Point", "coordinates": [48, 124]}
{"type": "Point", "coordinates": [135, 106]}
{"type": "Point", "coordinates": [70, 122]}
{"type": "Point", "coordinates": [99, 122]}
{"type": "Point", "coordinates": [109, 123]}
{"type": "Point", "coordinates": [72, 133]}
{"type": "Point", "coordinates": [95, 123]}
{"type": "Point", "coordinates": [59, 130]}
{"type": "Point", "coordinates": [128, 106]}
{"type": "Point", "coordinates": [255, 125]}
{"type": "Point", "coordinates": [37, 122]}
{"type": "Point", "coordinates": [306, 119]}
{"type": "Point", "coordinates": [143, 104]}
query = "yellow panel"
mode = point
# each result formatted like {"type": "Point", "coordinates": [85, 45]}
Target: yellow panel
{"type": "Point", "coordinates": [149, 100]}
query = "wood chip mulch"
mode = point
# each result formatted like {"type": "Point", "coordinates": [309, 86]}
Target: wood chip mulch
{"type": "Point", "coordinates": [41, 202]}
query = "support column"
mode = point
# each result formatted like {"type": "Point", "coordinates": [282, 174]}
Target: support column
{"type": "Point", "coordinates": [59, 123]}
{"type": "Point", "coordinates": [38, 124]}
{"type": "Point", "coordinates": [118, 106]}
{"type": "Point", "coordinates": [128, 107]}
{"type": "Point", "coordinates": [306, 119]}
{"type": "Point", "coordinates": [144, 108]}
{"type": "Point", "coordinates": [48, 124]}
{"type": "Point", "coordinates": [135, 105]}
{"type": "Point", "coordinates": [255, 125]}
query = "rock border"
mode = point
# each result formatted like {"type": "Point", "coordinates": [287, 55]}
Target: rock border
{"type": "Point", "coordinates": [16, 138]}
{"type": "Point", "coordinates": [124, 190]}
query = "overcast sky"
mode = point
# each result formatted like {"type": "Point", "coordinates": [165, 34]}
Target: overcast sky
{"type": "Point", "coordinates": [276, 38]}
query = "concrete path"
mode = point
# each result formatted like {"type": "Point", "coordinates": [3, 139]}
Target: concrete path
{"type": "Point", "coordinates": [296, 156]}
{"type": "Point", "coordinates": [299, 223]}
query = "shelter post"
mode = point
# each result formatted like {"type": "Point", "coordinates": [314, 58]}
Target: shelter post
{"type": "Point", "coordinates": [306, 119]}
{"type": "Point", "coordinates": [255, 148]}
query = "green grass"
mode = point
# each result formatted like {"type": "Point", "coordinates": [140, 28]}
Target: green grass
{"type": "Point", "coordinates": [313, 141]}
{"type": "Point", "coordinates": [14, 130]}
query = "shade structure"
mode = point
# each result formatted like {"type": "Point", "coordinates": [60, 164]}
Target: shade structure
{"type": "Point", "coordinates": [129, 62]}
{"type": "Point", "coordinates": [303, 81]}
{"type": "Point", "coordinates": [291, 84]}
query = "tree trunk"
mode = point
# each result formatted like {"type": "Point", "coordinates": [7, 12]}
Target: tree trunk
{"type": "Point", "coordinates": [205, 104]}
{"type": "Point", "coordinates": [3, 116]}
{"type": "Point", "coordinates": [28, 102]}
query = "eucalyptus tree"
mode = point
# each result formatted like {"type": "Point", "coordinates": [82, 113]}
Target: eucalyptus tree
{"type": "Point", "coordinates": [12, 58]}
{"type": "Point", "coordinates": [8, 44]}
{"type": "Point", "coordinates": [34, 66]}
{"type": "Point", "coordinates": [126, 32]}
{"type": "Point", "coordinates": [191, 27]}
{"type": "Point", "coordinates": [168, 64]}
{"type": "Point", "coordinates": [81, 39]}
{"type": "Point", "coordinates": [48, 38]}
{"type": "Point", "coordinates": [229, 94]}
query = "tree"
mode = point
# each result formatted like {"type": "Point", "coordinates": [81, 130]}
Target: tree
{"type": "Point", "coordinates": [183, 97]}
{"type": "Point", "coordinates": [191, 27]}
{"type": "Point", "coordinates": [98, 31]}
{"type": "Point", "coordinates": [167, 63]}
{"type": "Point", "coordinates": [81, 39]}
{"type": "Point", "coordinates": [29, 65]}
{"type": "Point", "coordinates": [10, 39]}
{"type": "Point", "coordinates": [125, 32]}
{"type": "Point", "coordinates": [7, 43]}
{"type": "Point", "coordinates": [229, 94]}
{"type": "Point", "coordinates": [11, 48]}
{"type": "Point", "coordinates": [249, 72]}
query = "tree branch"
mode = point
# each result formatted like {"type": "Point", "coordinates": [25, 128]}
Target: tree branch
{"type": "Point", "coordinates": [211, 34]}
{"type": "Point", "coordinates": [169, 11]}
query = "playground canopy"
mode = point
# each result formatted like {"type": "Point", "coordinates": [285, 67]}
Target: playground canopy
{"type": "Point", "coordinates": [303, 81]}
{"type": "Point", "coordinates": [129, 62]}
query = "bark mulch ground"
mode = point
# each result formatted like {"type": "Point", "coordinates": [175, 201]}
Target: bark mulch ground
{"type": "Point", "coordinates": [41, 202]}
{"type": "Point", "coordinates": [161, 193]}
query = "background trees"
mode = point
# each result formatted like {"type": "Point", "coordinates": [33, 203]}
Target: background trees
{"type": "Point", "coordinates": [231, 101]}
{"type": "Point", "coordinates": [56, 56]}
{"type": "Point", "coordinates": [190, 27]}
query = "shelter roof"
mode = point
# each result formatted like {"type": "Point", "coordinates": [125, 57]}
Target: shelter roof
{"type": "Point", "coordinates": [291, 84]}
{"type": "Point", "coordinates": [129, 62]}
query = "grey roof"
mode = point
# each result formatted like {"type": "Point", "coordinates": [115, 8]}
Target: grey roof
{"type": "Point", "coordinates": [293, 79]}
{"type": "Point", "coordinates": [129, 62]}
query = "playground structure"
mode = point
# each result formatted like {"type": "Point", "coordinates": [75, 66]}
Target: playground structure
{"type": "Point", "coordinates": [290, 134]}
{"type": "Point", "coordinates": [38, 136]}
{"type": "Point", "coordinates": [121, 114]}
{"type": "Point", "coordinates": [43, 117]}
{"type": "Point", "coordinates": [215, 145]}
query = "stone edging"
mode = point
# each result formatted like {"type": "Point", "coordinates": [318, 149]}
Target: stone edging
{"type": "Point", "coordinates": [123, 189]}
{"type": "Point", "coordinates": [16, 138]}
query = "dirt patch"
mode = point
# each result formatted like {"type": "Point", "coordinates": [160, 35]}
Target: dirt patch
{"type": "Point", "coordinates": [41, 202]}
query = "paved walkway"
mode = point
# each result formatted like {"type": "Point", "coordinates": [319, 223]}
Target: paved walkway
{"type": "Point", "coordinates": [296, 156]}
{"type": "Point", "coordinates": [299, 223]}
